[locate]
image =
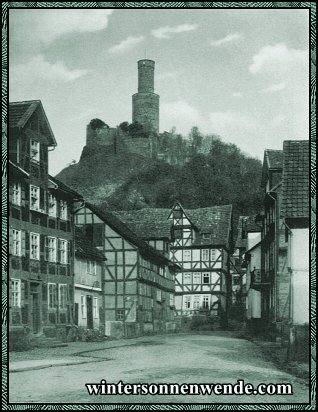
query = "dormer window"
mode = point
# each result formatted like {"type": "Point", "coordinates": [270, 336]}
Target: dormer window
{"type": "Point", "coordinates": [34, 150]}
{"type": "Point", "coordinates": [34, 197]}
{"type": "Point", "coordinates": [206, 236]}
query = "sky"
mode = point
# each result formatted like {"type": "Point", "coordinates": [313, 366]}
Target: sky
{"type": "Point", "coordinates": [240, 74]}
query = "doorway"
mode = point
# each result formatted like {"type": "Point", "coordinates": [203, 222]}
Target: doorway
{"type": "Point", "coordinates": [35, 310]}
{"type": "Point", "coordinates": [89, 302]}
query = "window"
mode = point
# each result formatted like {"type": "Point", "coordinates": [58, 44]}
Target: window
{"type": "Point", "coordinates": [63, 251]}
{"type": "Point", "coordinates": [16, 242]}
{"type": "Point", "coordinates": [213, 254]}
{"type": "Point", "coordinates": [34, 197]}
{"type": "Point", "coordinates": [16, 292]}
{"type": "Point", "coordinates": [187, 302]}
{"type": "Point", "coordinates": [91, 267]}
{"type": "Point", "coordinates": [206, 236]}
{"type": "Point", "coordinates": [52, 205]}
{"type": "Point", "coordinates": [205, 302]}
{"type": "Point", "coordinates": [95, 308]}
{"type": "Point", "coordinates": [120, 314]}
{"type": "Point", "coordinates": [34, 246]}
{"type": "Point", "coordinates": [171, 299]}
{"type": "Point", "coordinates": [83, 306]}
{"type": "Point", "coordinates": [16, 194]}
{"type": "Point", "coordinates": [206, 278]}
{"type": "Point", "coordinates": [63, 209]}
{"type": "Point", "coordinates": [187, 278]}
{"type": "Point", "coordinates": [197, 278]}
{"type": "Point", "coordinates": [177, 234]}
{"type": "Point", "coordinates": [50, 249]}
{"type": "Point", "coordinates": [52, 292]}
{"type": "Point", "coordinates": [34, 150]}
{"type": "Point", "coordinates": [187, 255]}
{"type": "Point", "coordinates": [62, 296]}
{"type": "Point", "coordinates": [196, 302]}
{"type": "Point", "coordinates": [177, 214]}
{"type": "Point", "coordinates": [205, 254]}
{"type": "Point", "coordinates": [159, 295]}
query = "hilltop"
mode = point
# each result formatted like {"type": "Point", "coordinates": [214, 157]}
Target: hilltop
{"type": "Point", "coordinates": [219, 174]}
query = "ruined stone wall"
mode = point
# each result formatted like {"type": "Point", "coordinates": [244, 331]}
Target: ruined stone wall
{"type": "Point", "coordinates": [104, 136]}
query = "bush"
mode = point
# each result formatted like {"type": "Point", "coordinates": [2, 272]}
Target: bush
{"type": "Point", "coordinates": [19, 339]}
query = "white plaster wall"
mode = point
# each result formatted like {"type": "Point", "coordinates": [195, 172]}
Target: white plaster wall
{"type": "Point", "coordinates": [299, 262]}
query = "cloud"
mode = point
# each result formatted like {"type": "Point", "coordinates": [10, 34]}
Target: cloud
{"type": "Point", "coordinates": [167, 75]}
{"type": "Point", "coordinates": [277, 87]}
{"type": "Point", "coordinates": [237, 94]}
{"type": "Point", "coordinates": [53, 23]}
{"type": "Point", "coordinates": [278, 59]}
{"type": "Point", "coordinates": [181, 115]}
{"type": "Point", "coordinates": [38, 69]}
{"type": "Point", "coordinates": [227, 39]}
{"type": "Point", "coordinates": [277, 120]}
{"type": "Point", "coordinates": [126, 44]}
{"type": "Point", "coordinates": [184, 116]}
{"type": "Point", "coordinates": [166, 32]}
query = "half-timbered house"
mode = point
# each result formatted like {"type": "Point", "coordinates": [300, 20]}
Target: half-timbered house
{"type": "Point", "coordinates": [138, 280]}
{"type": "Point", "coordinates": [199, 242]}
{"type": "Point", "coordinates": [284, 278]}
{"type": "Point", "coordinates": [40, 226]}
{"type": "Point", "coordinates": [88, 293]}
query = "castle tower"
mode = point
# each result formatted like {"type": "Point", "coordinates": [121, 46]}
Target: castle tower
{"type": "Point", "coordinates": [145, 103]}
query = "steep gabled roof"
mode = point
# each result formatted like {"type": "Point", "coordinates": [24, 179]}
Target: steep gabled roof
{"type": "Point", "coordinates": [247, 224]}
{"type": "Point", "coordinates": [147, 223]}
{"type": "Point", "coordinates": [273, 160]}
{"type": "Point", "coordinates": [61, 186]}
{"type": "Point", "coordinates": [295, 194]}
{"type": "Point", "coordinates": [21, 112]}
{"type": "Point", "coordinates": [153, 223]}
{"type": "Point", "coordinates": [215, 220]}
{"type": "Point", "coordinates": [85, 248]}
{"type": "Point", "coordinates": [122, 229]}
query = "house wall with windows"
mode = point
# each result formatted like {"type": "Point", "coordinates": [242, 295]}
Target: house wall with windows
{"type": "Point", "coordinates": [138, 281]}
{"type": "Point", "coordinates": [40, 241]}
{"type": "Point", "coordinates": [88, 293]}
{"type": "Point", "coordinates": [200, 246]}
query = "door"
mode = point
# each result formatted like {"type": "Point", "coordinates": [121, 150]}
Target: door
{"type": "Point", "coordinates": [35, 312]}
{"type": "Point", "coordinates": [89, 301]}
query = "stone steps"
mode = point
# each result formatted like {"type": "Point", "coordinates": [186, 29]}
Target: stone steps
{"type": "Point", "coordinates": [45, 342]}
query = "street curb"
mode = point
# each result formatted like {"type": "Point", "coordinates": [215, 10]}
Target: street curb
{"type": "Point", "coordinates": [52, 365]}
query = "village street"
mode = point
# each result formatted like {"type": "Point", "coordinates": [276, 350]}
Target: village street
{"type": "Point", "coordinates": [213, 357]}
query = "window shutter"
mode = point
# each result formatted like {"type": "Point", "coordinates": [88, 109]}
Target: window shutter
{"type": "Point", "coordinates": [42, 245]}
{"type": "Point", "coordinates": [26, 195]}
{"type": "Point", "coordinates": [11, 241]}
{"type": "Point", "coordinates": [22, 293]}
{"type": "Point", "coordinates": [42, 199]}
{"type": "Point", "coordinates": [69, 251]}
{"type": "Point", "coordinates": [23, 198]}
{"type": "Point", "coordinates": [23, 242]}
{"type": "Point", "coordinates": [46, 248]}
{"type": "Point", "coordinates": [56, 296]}
{"type": "Point", "coordinates": [27, 243]}
{"type": "Point", "coordinates": [58, 245]}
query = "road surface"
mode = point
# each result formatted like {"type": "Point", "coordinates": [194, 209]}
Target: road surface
{"type": "Point", "coordinates": [185, 358]}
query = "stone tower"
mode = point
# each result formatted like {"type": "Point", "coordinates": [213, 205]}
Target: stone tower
{"type": "Point", "coordinates": [145, 103]}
